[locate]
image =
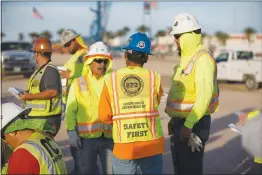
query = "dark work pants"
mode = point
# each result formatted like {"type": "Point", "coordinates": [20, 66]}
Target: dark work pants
{"type": "Point", "coordinates": [185, 161]}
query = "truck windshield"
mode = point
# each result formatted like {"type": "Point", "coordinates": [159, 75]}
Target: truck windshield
{"type": "Point", "coordinates": [15, 46]}
{"type": "Point", "coordinates": [244, 55]}
{"type": "Point", "coordinates": [222, 57]}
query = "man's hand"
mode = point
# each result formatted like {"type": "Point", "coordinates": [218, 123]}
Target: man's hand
{"type": "Point", "coordinates": [185, 133]}
{"type": "Point", "coordinates": [74, 139]}
{"type": "Point", "coordinates": [65, 74]}
{"type": "Point", "coordinates": [170, 127]}
{"type": "Point", "coordinates": [26, 96]}
{"type": "Point", "coordinates": [243, 118]}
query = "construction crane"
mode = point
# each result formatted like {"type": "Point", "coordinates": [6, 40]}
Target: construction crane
{"type": "Point", "coordinates": [98, 26]}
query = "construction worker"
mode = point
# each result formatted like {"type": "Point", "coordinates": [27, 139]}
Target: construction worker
{"type": "Point", "coordinates": [76, 46]}
{"type": "Point", "coordinates": [251, 136]}
{"type": "Point", "coordinates": [6, 152]}
{"type": "Point", "coordinates": [34, 153]}
{"type": "Point", "coordinates": [44, 93]}
{"type": "Point", "coordinates": [86, 132]}
{"type": "Point", "coordinates": [78, 49]}
{"type": "Point", "coordinates": [193, 96]}
{"type": "Point", "coordinates": [130, 100]}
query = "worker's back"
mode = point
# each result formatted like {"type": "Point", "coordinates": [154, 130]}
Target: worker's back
{"type": "Point", "coordinates": [47, 153]}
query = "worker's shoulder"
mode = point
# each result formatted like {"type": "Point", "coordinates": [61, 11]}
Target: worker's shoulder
{"type": "Point", "coordinates": [205, 58]}
{"type": "Point", "coordinates": [51, 69]}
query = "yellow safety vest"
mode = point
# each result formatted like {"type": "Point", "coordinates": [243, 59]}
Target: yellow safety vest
{"type": "Point", "coordinates": [133, 95]}
{"type": "Point", "coordinates": [182, 94]}
{"type": "Point", "coordinates": [76, 62]}
{"type": "Point", "coordinates": [251, 115]}
{"type": "Point", "coordinates": [88, 123]}
{"type": "Point", "coordinates": [47, 153]}
{"type": "Point", "coordinates": [42, 108]}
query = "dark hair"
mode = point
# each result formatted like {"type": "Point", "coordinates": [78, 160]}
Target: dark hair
{"type": "Point", "coordinates": [137, 57]}
{"type": "Point", "coordinates": [46, 54]}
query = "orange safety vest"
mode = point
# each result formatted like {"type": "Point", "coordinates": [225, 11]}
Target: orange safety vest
{"type": "Point", "coordinates": [133, 95]}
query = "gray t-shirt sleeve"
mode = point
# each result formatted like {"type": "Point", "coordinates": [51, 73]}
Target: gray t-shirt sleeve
{"type": "Point", "coordinates": [51, 80]}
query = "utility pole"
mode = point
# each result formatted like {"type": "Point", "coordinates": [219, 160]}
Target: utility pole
{"type": "Point", "coordinates": [97, 23]}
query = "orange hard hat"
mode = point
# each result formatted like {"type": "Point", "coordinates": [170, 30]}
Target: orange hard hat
{"type": "Point", "coordinates": [42, 44]}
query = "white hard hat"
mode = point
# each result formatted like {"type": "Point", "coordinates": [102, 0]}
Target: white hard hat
{"type": "Point", "coordinates": [183, 23]}
{"type": "Point", "coordinates": [98, 48]}
{"type": "Point", "coordinates": [68, 35]}
{"type": "Point", "coordinates": [10, 111]}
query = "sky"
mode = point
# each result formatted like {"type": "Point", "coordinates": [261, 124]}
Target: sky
{"type": "Point", "coordinates": [230, 17]}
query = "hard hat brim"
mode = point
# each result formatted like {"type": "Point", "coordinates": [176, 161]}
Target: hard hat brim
{"type": "Point", "coordinates": [129, 48]}
{"type": "Point", "coordinates": [35, 50]}
{"type": "Point", "coordinates": [21, 115]}
{"type": "Point", "coordinates": [64, 43]}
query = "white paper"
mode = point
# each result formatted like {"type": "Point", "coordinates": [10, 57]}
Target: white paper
{"type": "Point", "coordinates": [164, 97]}
{"type": "Point", "coordinates": [16, 91]}
{"type": "Point", "coordinates": [63, 81]}
{"type": "Point", "coordinates": [60, 68]}
{"type": "Point", "coordinates": [234, 128]}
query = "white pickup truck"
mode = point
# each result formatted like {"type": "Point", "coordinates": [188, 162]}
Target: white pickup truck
{"type": "Point", "coordinates": [239, 66]}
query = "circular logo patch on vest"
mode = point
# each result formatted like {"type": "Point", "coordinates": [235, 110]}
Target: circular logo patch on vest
{"type": "Point", "coordinates": [132, 85]}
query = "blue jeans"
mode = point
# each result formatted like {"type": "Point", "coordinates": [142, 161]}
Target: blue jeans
{"type": "Point", "coordinates": [87, 155]}
{"type": "Point", "coordinates": [147, 165]}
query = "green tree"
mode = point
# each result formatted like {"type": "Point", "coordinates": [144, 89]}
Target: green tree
{"type": "Point", "coordinates": [142, 28]}
{"type": "Point", "coordinates": [222, 37]}
{"type": "Point", "coordinates": [160, 33]}
{"type": "Point", "coordinates": [126, 30]}
{"type": "Point", "coordinates": [47, 34]}
{"type": "Point", "coordinates": [249, 31]}
{"type": "Point", "coordinates": [60, 31]}
{"type": "Point", "coordinates": [33, 35]}
{"type": "Point", "coordinates": [20, 36]}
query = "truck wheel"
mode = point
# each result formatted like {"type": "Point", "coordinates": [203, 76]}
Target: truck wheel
{"type": "Point", "coordinates": [251, 83]}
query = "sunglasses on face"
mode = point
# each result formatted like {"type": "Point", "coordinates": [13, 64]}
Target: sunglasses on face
{"type": "Point", "coordinates": [68, 44]}
{"type": "Point", "coordinates": [177, 36]}
{"type": "Point", "coordinates": [101, 61]}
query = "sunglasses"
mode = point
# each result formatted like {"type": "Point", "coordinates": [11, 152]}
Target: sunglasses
{"type": "Point", "coordinates": [68, 44]}
{"type": "Point", "coordinates": [177, 36]}
{"type": "Point", "coordinates": [101, 61]}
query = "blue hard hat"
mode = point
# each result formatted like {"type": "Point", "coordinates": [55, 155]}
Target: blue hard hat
{"type": "Point", "coordinates": [139, 42]}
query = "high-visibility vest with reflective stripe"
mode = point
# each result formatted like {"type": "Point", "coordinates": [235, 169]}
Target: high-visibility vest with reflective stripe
{"type": "Point", "coordinates": [133, 95]}
{"type": "Point", "coordinates": [88, 123]}
{"type": "Point", "coordinates": [76, 60]}
{"type": "Point", "coordinates": [42, 108]}
{"type": "Point", "coordinates": [46, 152]}
{"type": "Point", "coordinates": [182, 94]}
{"type": "Point", "coordinates": [250, 116]}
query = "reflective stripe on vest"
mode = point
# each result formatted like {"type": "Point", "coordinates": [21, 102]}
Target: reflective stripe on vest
{"type": "Point", "coordinates": [145, 114]}
{"type": "Point", "coordinates": [82, 84]}
{"type": "Point", "coordinates": [134, 115]}
{"type": "Point", "coordinates": [44, 157]}
{"type": "Point", "coordinates": [108, 128]}
{"type": "Point", "coordinates": [93, 127]}
{"type": "Point", "coordinates": [183, 106]}
{"type": "Point", "coordinates": [42, 106]}
{"type": "Point", "coordinates": [88, 127]}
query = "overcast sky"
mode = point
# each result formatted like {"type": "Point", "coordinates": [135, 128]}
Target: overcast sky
{"type": "Point", "coordinates": [225, 16]}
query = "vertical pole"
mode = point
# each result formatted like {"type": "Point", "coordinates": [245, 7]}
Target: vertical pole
{"type": "Point", "coordinates": [98, 34]}
{"type": "Point", "coordinates": [150, 24]}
